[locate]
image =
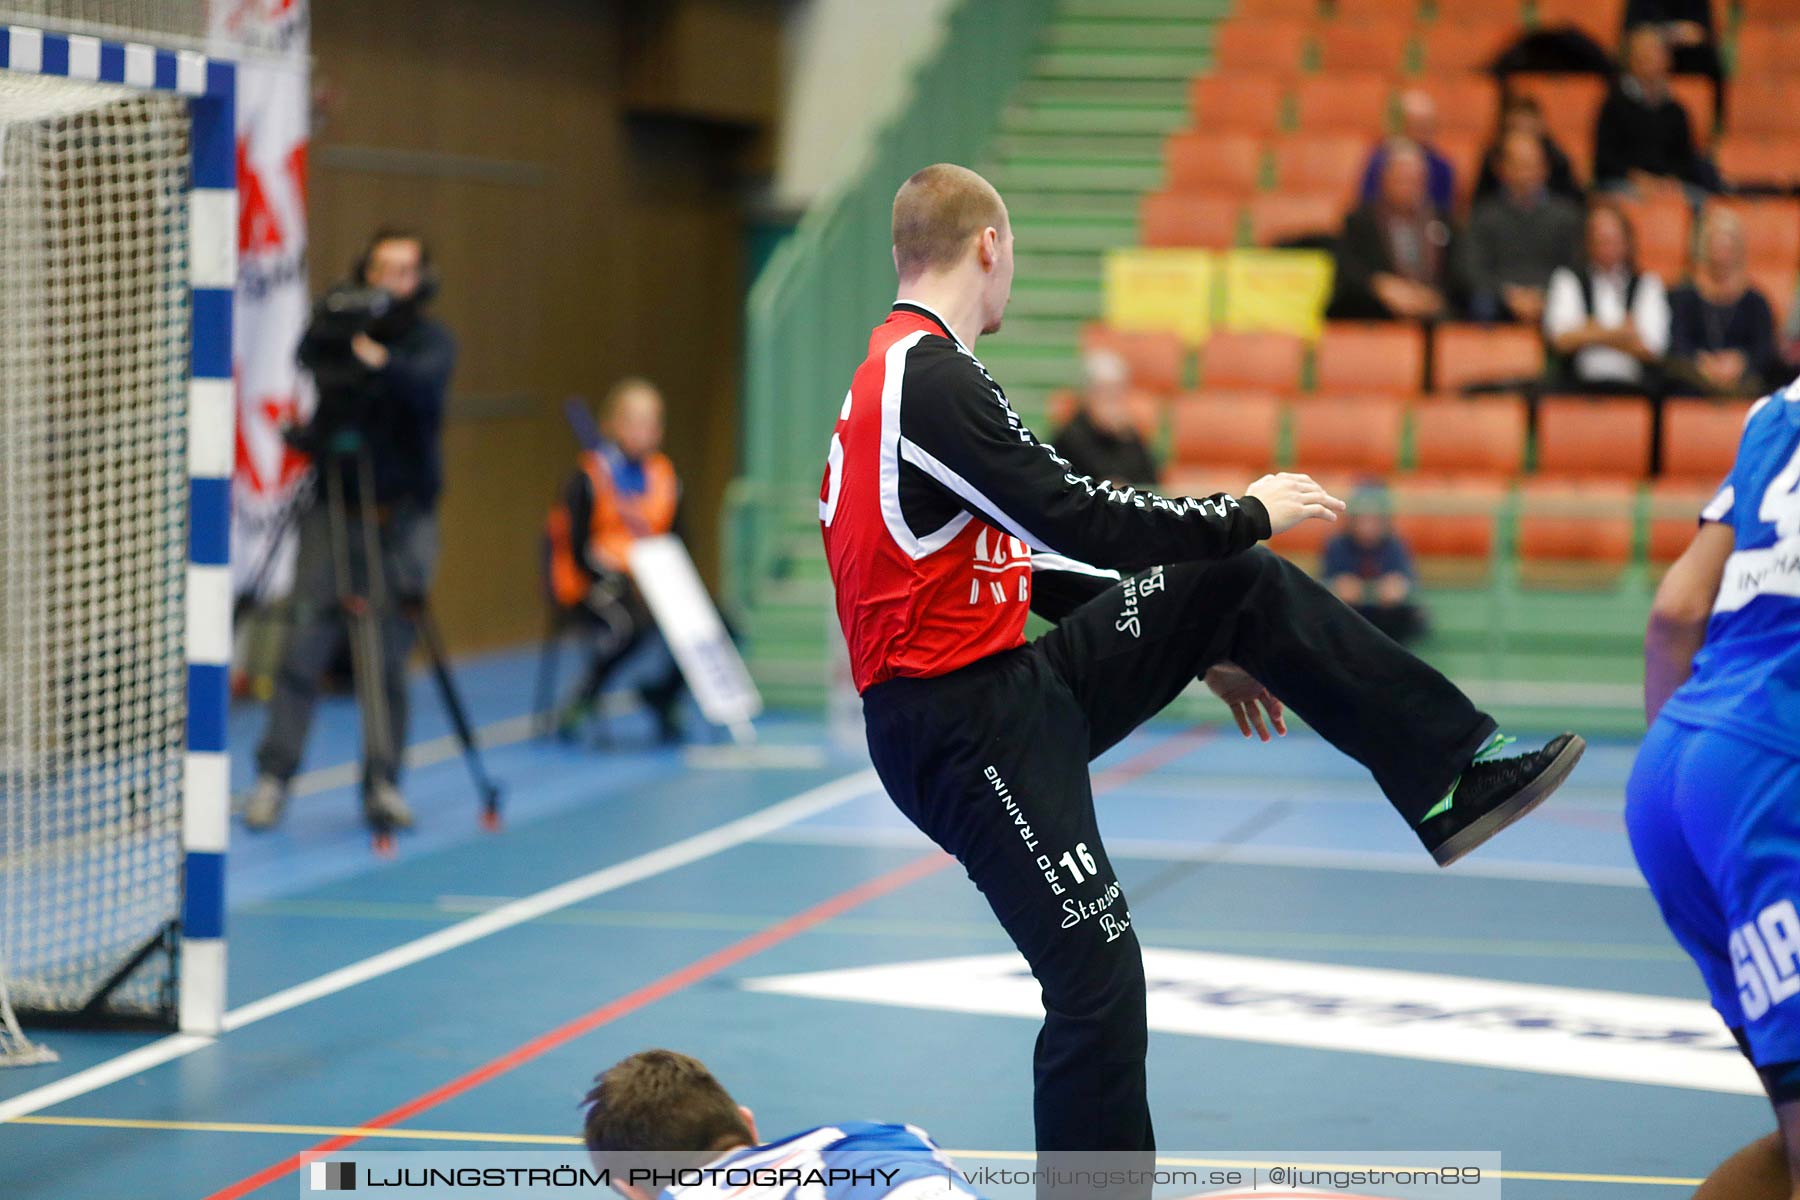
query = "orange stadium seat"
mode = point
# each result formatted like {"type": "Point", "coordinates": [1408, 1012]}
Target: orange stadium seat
{"type": "Point", "coordinates": [1282, 216]}
{"type": "Point", "coordinates": [1757, 159]}
{"type": "Point", "coordinates": [1700, 438]}
{"type": "Point", "coordinates": [1059, 409]}
{"type": "Point", "coordinates": [1374, 10]}
{"type": "Point", "coordinates": [1482, 12]}
{"type": "Point", "coordinates": [1663, 225]}
{"type": "Point", "coordinates": [1344, 102]}
{"type": "Point", "coordinates": [1768, 105]}
{"type": "Point", "coordinates": [1363, 46]}
{"type": "Point", "coordinates": [1766, 48]}
{"type": "Point", "coordinates": [1675, 506]}
{"type": "Point", "coordinates": [1146, 413]}
{"type": "Point", "coordinates": [1463, 355]}
{"type": "Point", "coordinates": [1467, 102]}
{"type": "Point", "coordinates": [1451, 46]}
{"type": "Point", "coordinates": [1587, 437]}
{"type": "Point", "coordinates": [1214, 162]}
{"type": "Point", "coordinates": [1157, 361]}
{"type": "Point", "coordinates": [1482, 435]}
{"type": "Point", "coordinates": [1771, 228]}
{"type": "Point", "coordinates": [1348, 433]}
{"type": "Point", "coordinates": [1275, 45]}
{"type": "Point", "coordinates": [1585, 523]}
{"type": "Point", "coordinates": [1281, 10]}
{"type": "Point", "coordinates": [1696, 96]}
{"type": "Point", "coordinates": [1259, 361]}
{"type": "Point", "coordinates": [1225, 430]}
{"type": "Point", "coordinates": [1321, 163]}
{"type": "Point", "coordinates": [1447, 518]}
{"type": "Point", "coordinates": [1238, 102]}
{"type": "Point", "coordinates": [1370, 356]}
{"type": "Point", "coordinates": [1602, 20]}
{"type": "Point", "coordinates": [1769, 10]}
{"type": "Point", "coordinates": [1188, 219]}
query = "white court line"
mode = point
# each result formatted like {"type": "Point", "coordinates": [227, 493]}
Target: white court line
{"type": "Point", "coordinates": [1390, 861]}
{"type": "Point", "coordinates": [676, 854]}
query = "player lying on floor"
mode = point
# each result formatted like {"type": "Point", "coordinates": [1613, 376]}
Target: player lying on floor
{"type": "Point", "coordinates": [945, 520]}
{"type": "Point", "coordinates": [1713, 805]}
{"type": "Point", "coordinates": [659, 1112]}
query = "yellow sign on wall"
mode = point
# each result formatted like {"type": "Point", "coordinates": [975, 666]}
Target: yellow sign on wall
{"type": "Point", "coordinates": [1280, 291]}
{"type": "Point", "coordinates": [1161, 290]}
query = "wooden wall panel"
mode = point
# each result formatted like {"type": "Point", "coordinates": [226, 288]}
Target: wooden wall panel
{"type": "Point", "coordinates": [576, 244]}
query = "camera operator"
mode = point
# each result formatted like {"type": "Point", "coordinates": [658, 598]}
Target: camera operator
{"type": "Point", "coordinates": [382, 368]}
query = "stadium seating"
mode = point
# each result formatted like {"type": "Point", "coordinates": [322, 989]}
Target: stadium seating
{"type": "Point", "coordinates": [1602, 20]}
{"type": "Point", "coordinates": [1467, 103]}
{"type": "Point", "coordinates": [1374, 10]}
{"type": "Point", "coordinates": [1571, 106]}
{"type": "Point", "coordinates": [1663, 226]}
{"type": "Point", "coordinates": [1777, 283]}
{"type": "Point", "coordinates": [1765, 49]}
{"type": "Point", "coordinates": [1477, 436]}
{"type": "Point", "coordinates": [1188, 219]}
{"type": "Point", "coordinates": [1344, 102]}
{"type": "Point", "coordinates": [1305, 540]}
{"type": "Point", "coordinates": [1243, 102]}
{"type": "Point", "coordinates": [1146, 412]}
{"type": "Point", "coordinates": [1587, 437]}
{"type": "Point", "coordinates": [1268, 362]}
{"type": "Point", "coordinates": [1771, 228]}
{"type": "Point", "coordinates": [1449, 523]}
{"type": "Point", "coordinates": [1348, 433]}
{"type": "Point", "coordinates": [1696, 96]}
{"type": "Point", "coordinates": [1463, 151]}
{"type": "Point", "coordinates": [1273, 45]}
{"type": "Point", "coordinates": [1228, 163]}
{"type": "Point", "coordinates": [1283, 216]}
{"type": "Point", "coordinates": [1766, 104]}
{"type": "Point", "coordinates": [1321, 163]}
{"type": "Point", "coordinates": [1451, 46]}
{"type": "Point", "coordinates": [1574, 532]}
{"type": "Point", "coordinates": [1280, 10]}
{"type": "Point", "coordinates": [1224, 430]}
{"type": "Point", "coordinates": [1157, 361]}
{"type": "Point", "coordinates": [1700, 438]}
{"type": "Point", "coordinates": [1465, 355]}
{"type": "Point", "coordinates": [1675, 506]}
{"type": "Point", "coordinates": [1370, 357]}
{"type": "Point", "coordinates": [1758, 159]}
{"type": "Point", "coordinates": [1363, 46]}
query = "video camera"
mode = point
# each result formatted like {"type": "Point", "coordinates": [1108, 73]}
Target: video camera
{"type": "Point", "coordinates": [346, 389]}
{"type": "Point", "coordinates": [349, 309]}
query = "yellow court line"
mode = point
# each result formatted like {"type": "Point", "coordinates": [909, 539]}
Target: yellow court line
{"type": "Point", "coordinates": [541, 1139]}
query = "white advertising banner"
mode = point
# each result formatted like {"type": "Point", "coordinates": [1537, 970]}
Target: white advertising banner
{"type": "Point", "coordinates": [274, 103]}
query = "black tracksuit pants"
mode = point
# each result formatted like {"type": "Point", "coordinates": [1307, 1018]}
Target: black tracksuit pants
{"type": "Point", "coordinates": [990, 761]}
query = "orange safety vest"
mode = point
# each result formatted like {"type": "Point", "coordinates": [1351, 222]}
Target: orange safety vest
{"type": "Point", "coordinates": [616, 521]}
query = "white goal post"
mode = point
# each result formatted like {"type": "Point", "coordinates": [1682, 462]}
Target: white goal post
{"type": "Point", "coordinates": [118, 234]}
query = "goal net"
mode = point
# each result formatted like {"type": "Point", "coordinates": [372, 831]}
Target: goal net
{"type": "Point", "coordinates": [94, 366]}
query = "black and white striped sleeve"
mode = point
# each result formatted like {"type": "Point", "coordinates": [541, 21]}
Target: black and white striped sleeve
{"type": "Point", "coordinates": [957, 429]}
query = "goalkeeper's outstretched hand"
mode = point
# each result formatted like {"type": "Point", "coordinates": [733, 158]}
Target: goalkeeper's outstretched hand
{"type": "Point", "coordinates": [1242, 694]}
{"type": "Point", "coordinates": [1292, 499]}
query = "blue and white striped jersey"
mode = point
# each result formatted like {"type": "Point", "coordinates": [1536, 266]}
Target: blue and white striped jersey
{"type": "Point", "coordinates": [853, 1160]}
{"type": "Point", "coordinates": [1746, 678]}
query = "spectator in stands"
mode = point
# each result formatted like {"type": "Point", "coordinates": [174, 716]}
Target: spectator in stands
{"type": "Point", "coordinates": [1721, 330]}
{"type": "Point", "coordinates": [1100, 440]}
{"type": "Point", "coordinates": [1517, 238]}
{"type": "Point", "coordinates": [1370, 568]}
{"type": "Point", "coordinates": [1418, 125]}
{"type": "Point", "coordinates": [1393, 253]}
{"type": "Point", "coordinates": [1642, 138]}
{"type": "Point", "coordinates": [1687, 29]}
{"type": "Point", "coordinates": [1607, 320]}
{"type": "Point", "coordinates": [1520, 113]}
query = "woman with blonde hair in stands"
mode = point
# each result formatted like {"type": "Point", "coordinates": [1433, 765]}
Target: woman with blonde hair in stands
{"type": "Point", "coordinates": [1721, 330]}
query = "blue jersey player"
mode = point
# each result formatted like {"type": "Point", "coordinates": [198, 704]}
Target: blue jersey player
{"type": "Point", "coordinates": [661, 1125]}
{"type": "Point", "coordinates": [1714, 800]}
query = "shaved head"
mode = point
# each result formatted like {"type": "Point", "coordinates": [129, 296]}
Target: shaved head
{"type": "Point", "coordinates": [937, 213]}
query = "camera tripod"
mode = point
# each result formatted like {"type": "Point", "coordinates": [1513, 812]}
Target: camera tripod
{"type": "Point", "coordinates": [364, 604]}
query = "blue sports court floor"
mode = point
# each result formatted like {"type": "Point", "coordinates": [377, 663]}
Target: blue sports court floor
{"type": "Point", "coordinates": [1316, 983]}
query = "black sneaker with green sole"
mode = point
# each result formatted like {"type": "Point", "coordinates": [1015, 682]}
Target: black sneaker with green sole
{"type": "Point", "coordinates": [1494, 792]}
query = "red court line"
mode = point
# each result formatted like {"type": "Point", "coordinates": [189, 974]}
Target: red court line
{"type": "Point", "coordinates": [629, 1003]}
{"type": "Point", "coordinates": [1156, 756]}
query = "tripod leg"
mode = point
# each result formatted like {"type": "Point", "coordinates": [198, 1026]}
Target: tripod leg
{"type": "Point", "coordinates": [459, 717]}
{"type": "Point", "coordinates": [365, 653]}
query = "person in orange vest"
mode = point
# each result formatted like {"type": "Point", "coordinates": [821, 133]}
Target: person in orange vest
{"type": "Point", "coordinates": [625, 488]}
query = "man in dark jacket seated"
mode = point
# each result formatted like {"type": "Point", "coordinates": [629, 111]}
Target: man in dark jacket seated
{"type": "Point", "coordinates": [1642, 139]}
{"type": "Point", "coordinates": [1100, 440]}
